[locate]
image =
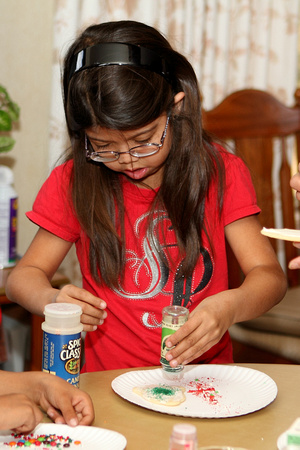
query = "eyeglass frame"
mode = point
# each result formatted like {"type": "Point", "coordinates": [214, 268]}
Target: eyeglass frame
{"type": "Point", "coordinates": [90, 155]}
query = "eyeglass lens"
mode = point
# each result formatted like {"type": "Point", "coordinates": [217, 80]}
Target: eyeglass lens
{"type": "Point", "coordinates": [138, 151]}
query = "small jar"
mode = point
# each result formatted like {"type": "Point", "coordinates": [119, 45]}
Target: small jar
{"type": "Point", "coordinates": [62, 341]}
{"type": "Point", "coordinates": [173, 317]}
{"type": "Point", "coordinates": [183, 437]}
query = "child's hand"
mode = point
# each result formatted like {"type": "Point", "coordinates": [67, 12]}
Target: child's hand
{"type": "Point", "coordinates": [93, 308]}
{"type": "Point", "coordinates": [295, 263]}
{"type": "Point", "coordinates": [19, 413]}
{"type": "Point", "coordinates": [62, 402]}
{"type": "Point", "coordinates": [205, 327]}
{"type": "Point", "coordinates": [295, 183]}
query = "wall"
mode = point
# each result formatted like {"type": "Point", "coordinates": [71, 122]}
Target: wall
{"type": "Point", "coordinates": [25, 70]}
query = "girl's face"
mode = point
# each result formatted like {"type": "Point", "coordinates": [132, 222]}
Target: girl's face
{"type": "Point", "coordinates": [148, 169]}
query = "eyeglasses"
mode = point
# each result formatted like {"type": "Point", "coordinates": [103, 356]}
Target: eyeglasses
{"type": "Point", "coordinates": [138, 151]}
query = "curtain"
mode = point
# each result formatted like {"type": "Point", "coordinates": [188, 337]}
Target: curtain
{"type": "Point", "coordinates": [232, 44]}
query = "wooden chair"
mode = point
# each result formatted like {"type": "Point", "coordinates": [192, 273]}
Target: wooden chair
{"type": "Point", "coordinates": [264, 132]}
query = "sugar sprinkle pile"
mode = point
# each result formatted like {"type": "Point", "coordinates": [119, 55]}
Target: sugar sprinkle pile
{"type": "Point", "coordinates": [42, 441]}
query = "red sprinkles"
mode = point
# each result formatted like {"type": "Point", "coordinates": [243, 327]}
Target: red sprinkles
{"type": "Point", "coordinates": [204, 390]}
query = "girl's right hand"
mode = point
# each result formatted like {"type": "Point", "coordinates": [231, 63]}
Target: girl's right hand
{"type": "Point", "coordinates": [93, 308]}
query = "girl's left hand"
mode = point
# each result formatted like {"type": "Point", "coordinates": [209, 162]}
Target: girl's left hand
{"type": "Point", "coordinates": [206, 325]}
{"type": "Point", "coordinates": [215, 314]}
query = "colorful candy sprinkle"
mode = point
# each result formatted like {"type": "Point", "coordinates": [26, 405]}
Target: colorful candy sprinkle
{"type": "Point", "coordinates": [44, 441]}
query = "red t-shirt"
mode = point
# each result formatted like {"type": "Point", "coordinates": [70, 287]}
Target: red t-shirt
{"type": "Point", "coordinates": [131, 333]}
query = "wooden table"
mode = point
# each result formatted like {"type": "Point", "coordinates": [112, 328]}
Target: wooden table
{"type": "Point", "coordinates": [149, 430]}
{"type": "Point", "coordinates": [36, 321]}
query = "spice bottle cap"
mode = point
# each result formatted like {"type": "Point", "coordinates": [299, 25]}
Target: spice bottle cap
{"type": "Point", "coordinates": [183, 431]}
{"type": "Point", "coordinates": [62, 315]}
{"type": "Point", "coordinates": [6, 176]}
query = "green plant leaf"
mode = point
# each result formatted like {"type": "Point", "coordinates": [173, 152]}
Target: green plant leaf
{"type": "Point", "coordinates": [13, 111]}
{"type": "Point", "coordinates": [5, 121]}
{"type": "Point", "coordinates": [6, 143]}
{"type": "Point", "coordinates": [3, 94]}
{"type": "Point", "coordinates": [9, 113]}
{"type": "Point", "coordinates": [7, 105]}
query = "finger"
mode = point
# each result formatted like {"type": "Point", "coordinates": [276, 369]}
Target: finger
{"type": "Point", "coordinates": [90, 305]}
{"type": "Point", "coordinates": [89, 328]}
{"type": "Point", "coordinates": [23, 429]}
{"type": "Point", "coordinates": [75, 293]}
{"type": "Point", "coordinates": [194, 351]}
{"type": "Point", "coordinates": [90, 323]}
{"type": "Point", "coordinates": [52, 412]}
{"type": "Point", "coordinates": [67, 415]}
{"type": "Point", "coordinates": [91, 320]}
{"type": "Point", "coordinates": [81, 413]}
{"type": "Point", "coordinates": [69, 419]}
{"type": "Point", "coordinates": [85, 412]}
{"type": "Point", "coordinates": [185, 330]}
{"type": "Point", "coordinates": [204, 332]}
{"type": "Point", "coordinates": [55, 415]}
{"type": "Point", "coordinates": [85, 419]}
{"type": "Point", "coordinates": [295, 263]}
{"type": "Point", "coordinates": [197, 355]}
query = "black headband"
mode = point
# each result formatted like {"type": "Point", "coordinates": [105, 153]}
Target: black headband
{"type": "Point", "coordinates": [115, 53]}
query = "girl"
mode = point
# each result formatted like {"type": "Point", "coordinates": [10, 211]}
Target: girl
{"type": "Point", "coordinates": [148, 201]}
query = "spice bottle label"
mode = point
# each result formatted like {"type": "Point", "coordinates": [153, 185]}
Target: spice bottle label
{"type": "Point", "coordinates": [12, 250]}
{"type": "Point", "coordinates": [61, 356]}
{"type": "Point", "coordinates": [167, 330]}
{"type": "Point", "coordinates": [8, 232]}
{"type": "Point", "coordinates": [173, 318]}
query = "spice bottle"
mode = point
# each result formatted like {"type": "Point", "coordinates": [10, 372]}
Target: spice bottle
{"type": "Point", "coordinates": [183, 437]}
{"type": "Point", "coordinates": [173, 317]}
{"type": "Point", "coordinates": [8, 218]}
{"type": "Point", "coordinates": [62, 341]}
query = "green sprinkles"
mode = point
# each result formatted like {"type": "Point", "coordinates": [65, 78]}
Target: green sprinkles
{"type": "Point", "coordinates": [162, 391]}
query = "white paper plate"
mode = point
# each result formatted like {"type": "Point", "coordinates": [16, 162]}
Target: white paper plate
{"type": "Point", "coordinates": [285, 234]}
{"type": "Point", "coordinates": [92, 438]}
{"type": "Point", "coordinates": [211, 390]}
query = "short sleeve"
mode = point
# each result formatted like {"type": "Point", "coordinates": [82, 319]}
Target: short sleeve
{"type": "Point", "coordinates": [239, 196]}
{"type": "Point", "coordinates": [53, 209]}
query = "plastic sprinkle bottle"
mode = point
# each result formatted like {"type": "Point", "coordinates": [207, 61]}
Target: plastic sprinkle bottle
{"type": "Point", "coordinates": [8, 218]}
{"type": "Point", "coordinates": [183, 437]}
{"type": "Point", "coordinates": [62, 341]}
{"type": "Point", "coordinates": [173, 317]}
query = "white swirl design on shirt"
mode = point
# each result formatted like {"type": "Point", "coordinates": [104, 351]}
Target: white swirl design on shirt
{"type": "Point", "coordinates": [158, 272]}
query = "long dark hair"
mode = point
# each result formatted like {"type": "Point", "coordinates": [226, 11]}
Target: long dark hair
{"type": "Point", "coordinates": [124, 98]}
